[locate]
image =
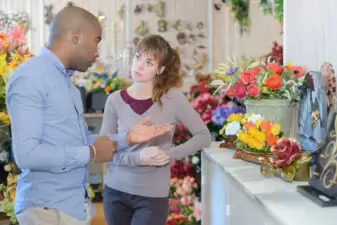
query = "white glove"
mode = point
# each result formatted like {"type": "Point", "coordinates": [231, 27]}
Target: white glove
{"type": "Point", "coordinates": [153, 156]}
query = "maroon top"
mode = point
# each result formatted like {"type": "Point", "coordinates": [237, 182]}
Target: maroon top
{"type": "Point", "coordinates": [138, 106]}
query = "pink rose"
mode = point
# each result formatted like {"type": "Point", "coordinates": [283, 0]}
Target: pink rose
{"type": "Point", "coordinates": [286, 151]}
{"type": "Point", "coordinates": [253, 90]}
{"type": "Point", "coordinates": [247, 76]}
{"type": "Point", "coordinates": [239, 90]}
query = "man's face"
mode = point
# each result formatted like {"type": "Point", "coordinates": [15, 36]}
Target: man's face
{"type": "Point", "coordinates": [86, 50]}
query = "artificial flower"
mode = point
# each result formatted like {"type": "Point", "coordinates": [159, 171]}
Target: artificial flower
{"type": "Point", "coordinates": [274, 82]}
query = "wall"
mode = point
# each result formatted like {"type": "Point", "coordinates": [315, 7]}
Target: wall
{"type": "Point", "coordinates": [223, 36]}
{"type": "Point", "coordinates": [227, 41]}
{"type": "Point", "coordinates": [310, 32]}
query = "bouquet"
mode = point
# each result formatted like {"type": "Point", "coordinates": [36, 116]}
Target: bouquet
{"type": "Point", "coordinates": [257, 134]}
{"type": "Point", "coordinates": [257, 80]}
{"type": "Point", "coordinates": [184, 207]}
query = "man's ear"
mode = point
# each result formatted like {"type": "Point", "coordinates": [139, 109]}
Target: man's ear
{"type": "Point", "coordinates": [75, 37]}
{"type": "Point", "coordinates": [161, 70]}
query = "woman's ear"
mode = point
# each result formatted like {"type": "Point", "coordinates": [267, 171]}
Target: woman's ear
{"type": "Point", "coordinates": [161, 70]}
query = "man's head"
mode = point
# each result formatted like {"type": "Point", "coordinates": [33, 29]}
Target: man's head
{"type": "Point", "coordinates": [74, 37]}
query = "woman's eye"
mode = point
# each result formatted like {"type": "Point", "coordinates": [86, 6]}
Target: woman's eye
{"type": "Point", "coordinates": [149, 63]}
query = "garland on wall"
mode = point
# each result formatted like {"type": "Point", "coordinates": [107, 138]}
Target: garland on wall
{"type": "Point", "coordinates": [240, 11]}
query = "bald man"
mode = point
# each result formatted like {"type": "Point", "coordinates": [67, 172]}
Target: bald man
{"type": "Point", "coordinates": [51, 142]}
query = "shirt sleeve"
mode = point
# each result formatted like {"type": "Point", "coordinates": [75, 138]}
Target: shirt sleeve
{"type": "Point", "coordinates": [25, 102]}
{"type": "Point", "coordinates": [185, 114]}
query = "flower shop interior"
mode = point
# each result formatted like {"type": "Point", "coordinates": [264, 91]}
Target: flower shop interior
{"type": "Point", "coordinates": [259, 72]}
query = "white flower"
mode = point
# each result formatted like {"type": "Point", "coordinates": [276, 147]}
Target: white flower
{"type": "Point", "coordinates": [195, 160]}
{"type": "Point", "coordinates": [3, 156]}
{"type": "Point", "coordinates": [254, 118]}
{"type": "Point", "coordinates": [7, 168]}
{"type": "Point", "coordinates": [233, 128]}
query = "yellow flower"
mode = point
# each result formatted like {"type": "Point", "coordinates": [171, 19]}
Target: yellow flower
{"type": "Point", "coordinates": [16, 59]}
{"type": "Point", "coordinates": [91, 192]}
{"type": "Point", "coordinates": [275, 129]}
{"type": "Point", "coordinates": [11, 179]}
{"type": "Point", "coordinates": [12, 194]}
{"type": "Point", "coordinates": [256, 134]}
{"type": "Point", "coordinates": [4, 118]}
{"type": "Point", "coordinates": [222, 130]}
{"type": "Point", "coordinates": [258, 123]}
{"type": "Point", "coordinates": [289, 64]}
{"type": "Point", "coordinates": [235, 117]}
{"type": "Point", "coordinates": [264, 90]}
{"type": "Point", "coordinates": [3, 64]}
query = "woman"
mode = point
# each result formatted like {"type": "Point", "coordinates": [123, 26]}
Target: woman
{"type": "Point", "coordinates": [138, 178]}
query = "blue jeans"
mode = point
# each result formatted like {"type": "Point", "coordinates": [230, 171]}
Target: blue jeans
{"type": "Point", "coordinates": [121, 208]}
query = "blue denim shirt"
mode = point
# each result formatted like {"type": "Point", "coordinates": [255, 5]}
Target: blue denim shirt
{"type": "Point", "coordinates": [50, 136]}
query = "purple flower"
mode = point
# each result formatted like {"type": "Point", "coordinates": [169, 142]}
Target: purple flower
{"type": "Point", "coordinates": [231, 70]}
{"type": "Point", "coordinates": [221, 113]}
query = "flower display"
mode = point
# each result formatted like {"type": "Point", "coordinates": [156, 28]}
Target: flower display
{"type": "Point", "coordinates": [257, 134]}
{"type": "Point", "coordinates": [184, 206]}
{"type": "Point", "coordinates": [222, 112]}
{"type": "Point", "coordinates": [104, 82]}
{"type": "Point", "coordinates": [13, 52]}
{"type": "Point", "coordinates": [259, 80]}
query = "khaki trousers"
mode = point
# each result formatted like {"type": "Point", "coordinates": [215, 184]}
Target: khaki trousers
{"type": "Point", "coordinates": [41, 216]}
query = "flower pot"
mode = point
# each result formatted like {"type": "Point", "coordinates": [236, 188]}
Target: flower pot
{"type": "Point", "coordinates": [279, 111]}
{"type": "Point", "coordinates": [253, 157]}
{"type": "Point", "coordinates": [228, 143]}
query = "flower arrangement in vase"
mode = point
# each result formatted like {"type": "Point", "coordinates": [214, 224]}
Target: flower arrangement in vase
{"type": "Point", "coordinates": [228, 117]}
{"type": "Point", "coordinates": [256, 138]}
{"type": "Point", "coordinates": [269, 89]}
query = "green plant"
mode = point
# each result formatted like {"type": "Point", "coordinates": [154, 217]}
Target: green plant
{"type": "Point", "coordinates": [275, 8]}
{"type": "Point", "coordinates": [240, 10]}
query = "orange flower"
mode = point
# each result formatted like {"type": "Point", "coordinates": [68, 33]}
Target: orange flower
{"type": "Point", "coordinates": [276, 68]}
{"type": "Point", "coordinates": [266, 125]}
{"type": "Point", "coordinates": [249, 125]}
{"type": "Point", "coordinates": [271, 139]}
{"type": "Point", "coordinates": [3, 36]}
{"type": "Point", "coordinates": [297, 71]}
{"type": "Point", "coordinates": [274, 82]}
{"type": "Point", "coordinates": [107, 88]}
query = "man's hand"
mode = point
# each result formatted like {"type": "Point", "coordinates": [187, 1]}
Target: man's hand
{"type": "Point", "coordinates": [153, 156]}
{"type": "Point", "coordinates": [105, 149]}
{"type": "Point", "coordinates": [142, 132]}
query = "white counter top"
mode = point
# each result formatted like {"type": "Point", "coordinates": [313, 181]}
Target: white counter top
{"type": "Point", "coordinates": [278, 198]}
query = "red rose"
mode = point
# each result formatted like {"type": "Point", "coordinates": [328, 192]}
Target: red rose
{"type": "Point", "coordinates": [247, 76]}
{"type": "Point", "coordinates": [253, 90]}
{"type": "Point", "coordinates": [239, 90]}
{"type": "Point", "coordinates": [276, 68]}
{"type": "Point", "coordinates": [286, 151]}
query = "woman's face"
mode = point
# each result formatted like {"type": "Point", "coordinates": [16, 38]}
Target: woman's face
{"type": "Point", "coordinates": [144, 67]}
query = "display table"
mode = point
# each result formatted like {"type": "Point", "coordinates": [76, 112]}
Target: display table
{"type": "Point", "coordinates": [235, 193]}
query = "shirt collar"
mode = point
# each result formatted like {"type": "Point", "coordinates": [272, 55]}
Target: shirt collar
{"type": "Point", "coordinates": [49, 55]}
